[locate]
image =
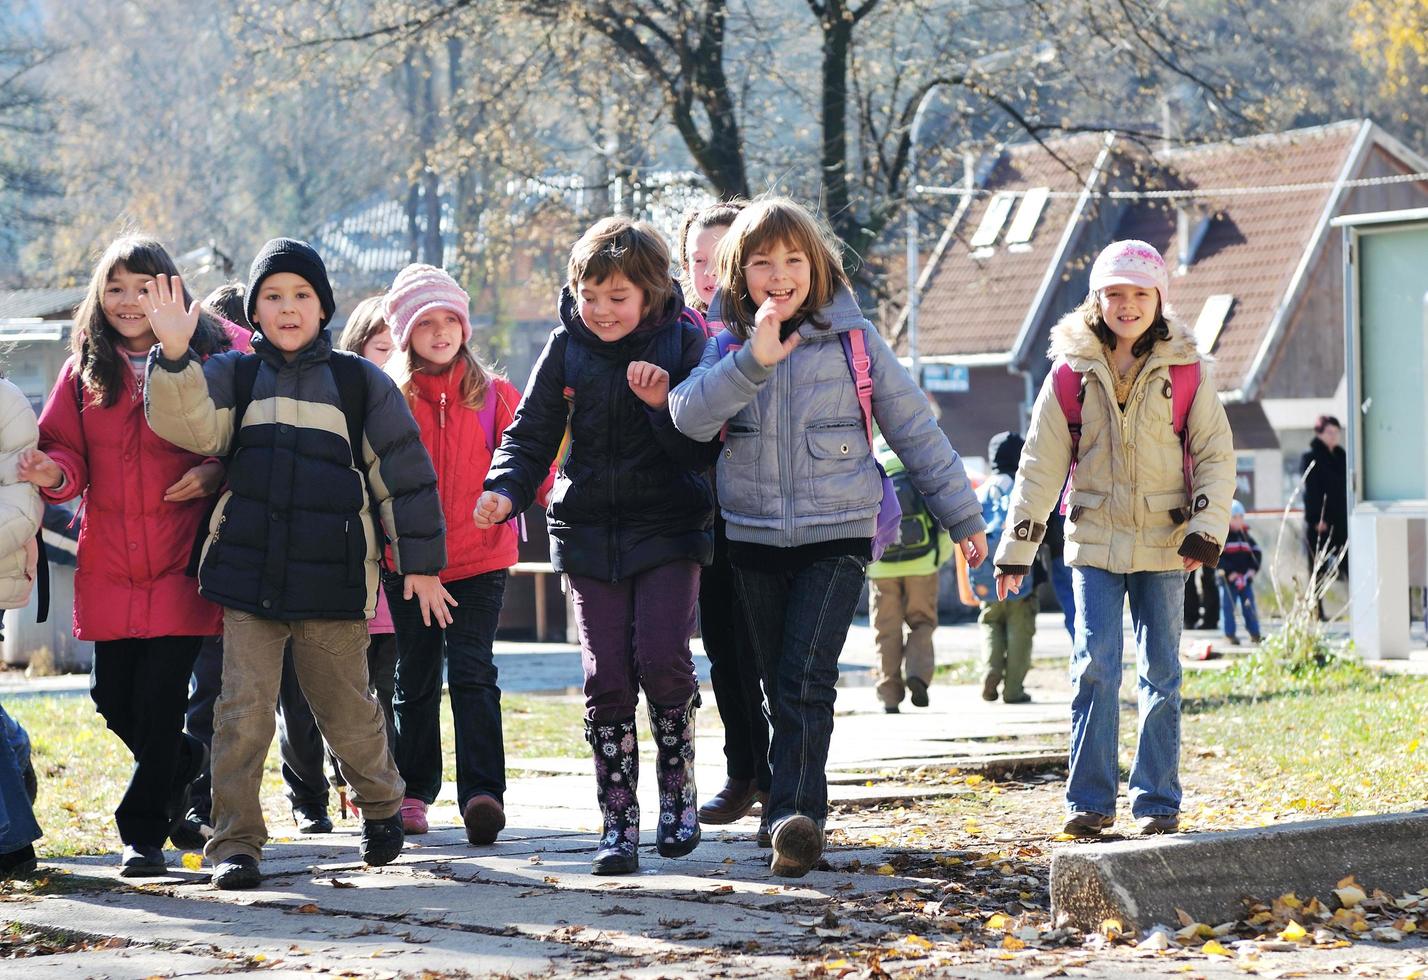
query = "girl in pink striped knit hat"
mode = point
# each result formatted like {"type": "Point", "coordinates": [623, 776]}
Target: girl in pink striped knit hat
{"type": "Point", "coordinates": [462, 407]}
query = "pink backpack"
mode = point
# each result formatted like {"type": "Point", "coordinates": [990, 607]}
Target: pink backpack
{"type": "Point", "coordinates": [1184, 382]}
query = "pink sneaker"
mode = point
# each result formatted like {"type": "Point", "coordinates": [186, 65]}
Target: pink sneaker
{"type": "Point", "coordinates": [414, 815]}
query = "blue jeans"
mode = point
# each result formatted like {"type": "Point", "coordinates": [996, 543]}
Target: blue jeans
{"type": "Point", "coordinates": [1228, 595]}
{"type": "Point", "coordinates": [1065, 592]}
{"type": "Point", "coordinates": [464, 648]}
{"type": "Point", "coordinates": [17, 818]}
{"type": "Point", "coordinates": [798, 622]}
{"type": "Point", "coordinates": [1157, 611]}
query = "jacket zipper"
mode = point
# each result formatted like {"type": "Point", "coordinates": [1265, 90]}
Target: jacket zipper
{"type": "Point", "coordinates": [614, 430]}
{"type": "Point", "coordinates": [786, 434]}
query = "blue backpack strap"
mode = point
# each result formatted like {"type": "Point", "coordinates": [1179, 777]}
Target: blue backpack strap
{"type": "Point", "coordinates": [349, 371]}
{"type": "Point", "coordinates": [245, 376]}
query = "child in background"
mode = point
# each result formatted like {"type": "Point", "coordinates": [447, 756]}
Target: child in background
{"type": "Point", "coordinates": [1134, 529]}
{"type": "Point", "coordinates": [629, 517]}
{"type": "Point", "coordinates": [21, 511]}
{"type": "Point", "coordinates": [1008, 625]}
{"type": "Point", "coordinates": [799, 486]}
{"type": "Point", "coordinates": [144, 499]}
{"type": "Point", "coordinates": [323, 442]}
{"type": "Point", "coordinates": [1238, 566]}
{"type": "Point", "coordinates": [733, 672]}
{"type": "Point", "coordinates": [461, 407]}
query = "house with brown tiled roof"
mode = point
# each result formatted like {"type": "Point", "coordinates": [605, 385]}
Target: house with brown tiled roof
{"type": "Point", "coordinates": [1255, 267]}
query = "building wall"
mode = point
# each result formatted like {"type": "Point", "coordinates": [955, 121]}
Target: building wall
{"type": "Point", "coordinates": [991, 404]}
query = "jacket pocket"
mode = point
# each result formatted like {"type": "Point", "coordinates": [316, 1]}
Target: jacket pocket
{"type": "Point", "coordinates": [1174, 504]}
{"type": "Point", "coordinates": [840, 467]}
{"type": "Point", "coordinates": [1086, 520]}
{"type": "Point", "coordinates": [738, 471]}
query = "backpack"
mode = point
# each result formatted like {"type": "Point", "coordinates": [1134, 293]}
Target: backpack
{"type": "Point", "coordinates": [917, 530]}
{"type": "Point", "coordinates": [855, 351]}
{"type": "Point", "coordinates": [1069, 386]}
{"type": "Point", "coordinates": [996, 504]}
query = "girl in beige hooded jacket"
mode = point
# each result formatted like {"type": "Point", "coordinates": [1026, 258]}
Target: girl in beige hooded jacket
{"type": "Point", "coordinates": [20, 505]}
{"type": "Point", "coordinates": [1134, 527]}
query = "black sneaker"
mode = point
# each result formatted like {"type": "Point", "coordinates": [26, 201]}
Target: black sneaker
{"type": "Point", "coordinates": [382, 840]}
{"type": "Point", "coordinates": [18, 864]}
{"type": "Point", "coordinates": [188, 834]}
{"type": "Point", "coordinates": [237, 871]}
{"type": "Point", "coordinates": [917, 690]}
{"type": "Point", "coordinates": [143, 861]}
{"type": "Point", "coordinates": [312, 820]}
{"type": "Point", "coordinates": [764, 838]}
{"type": "Point", "coordinates": [183, 782]}
{"type": "Point", "coordinates": [891, 709]}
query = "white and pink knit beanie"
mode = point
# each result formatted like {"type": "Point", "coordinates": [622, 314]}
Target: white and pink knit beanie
{"type": "Point", "coordinates": [1134, 263]}
{"type": "Point", "coordinates": [419, 289]}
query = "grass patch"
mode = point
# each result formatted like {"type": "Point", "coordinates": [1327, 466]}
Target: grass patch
{"type": "Point", "coordinates": [83, 768]}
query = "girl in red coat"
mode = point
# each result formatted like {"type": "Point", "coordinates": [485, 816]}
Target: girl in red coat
{"type": "Point", "coordinates": [462, 408]}
{"type": "Point", "coordinates": [143, 502]}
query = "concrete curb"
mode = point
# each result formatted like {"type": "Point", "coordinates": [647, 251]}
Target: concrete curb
{"type": "Point", "coordinates": [1142, 882]}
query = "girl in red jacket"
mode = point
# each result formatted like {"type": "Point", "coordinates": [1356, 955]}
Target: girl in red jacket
{"type": "Point", "coordinates": [143, 502]}
{"type": "Point", "coordinates": [462, 408]}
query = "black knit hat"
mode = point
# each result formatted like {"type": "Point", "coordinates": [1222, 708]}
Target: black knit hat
{"type": "Point", "coordinates": [299, 258]}
{"type": "Point", "coordinates": [1004, 451]}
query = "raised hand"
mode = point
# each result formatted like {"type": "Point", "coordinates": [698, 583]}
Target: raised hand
{"type": "Point", "coordinates": [171, 321]}
{"type": "Point", "coordinates": [202, 480]}
{"type": "Point", "coordinates": [491, 508]}
{"type": "Point", "coordinates": [767, 346]}
{"type": "Point", "coordinates": [37, 468]}
{"type": "Point", "coordinates": [650, 383]}
{"type": "Point", "coordinates": [433, 597]}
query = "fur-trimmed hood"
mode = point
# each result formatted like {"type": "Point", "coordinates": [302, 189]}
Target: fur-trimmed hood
{"type": "Point", "coordinates": [1073, 340]}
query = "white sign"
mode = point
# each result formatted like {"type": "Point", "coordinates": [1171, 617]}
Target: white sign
{"type": "Point", "coordinates": [946, 377]}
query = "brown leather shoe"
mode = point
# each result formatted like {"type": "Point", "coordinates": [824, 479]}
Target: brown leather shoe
{"type": "Point", "coordinates": [731, 803]}
{"type": "Point", "coordinates": [484, 819]}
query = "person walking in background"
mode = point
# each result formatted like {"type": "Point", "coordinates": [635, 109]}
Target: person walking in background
{"type": "Point", "coordinates": [1238, 567]}
{"type": "Point", "coordinates": [798, 482]}
{"type": "Point", "coordinates": [630, 517]}
{"type": "Point", "coordinates": [144, 501]}
{"type": "Point", "coordinates": [461, 407]}
{"type": "Point", "coordinates": [1126, 385]}
{"type": "Point", "coordinates": [903, 588]}
{"type": "Point", "coordinates": [1008, 624]}
{"type": "Point", "coordinates": [733, 673]}
{"type": "Point", "coordinates": [322, 444]}
{"type": "Point", "coordinates": [1324, 468]}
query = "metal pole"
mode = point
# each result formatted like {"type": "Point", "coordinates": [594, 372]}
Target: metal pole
{"type": "Point", "coordinates": [913, 350]}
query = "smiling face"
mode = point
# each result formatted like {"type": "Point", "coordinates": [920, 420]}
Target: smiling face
{"type": "Point", "coordinates": [120, 302]}
{"type": "Point", "coordinates": [436, 338]}
{"type": "Point", "coordinates": [611, 309]}
{"type": "Point", "coordinates": [1128, 309]}
{"type": "Point", "coordinates": [699, 260]}
{"type": "Point", "coordinates": [779, 272]}
{"type": "Point", "coordinates": [288, 312]}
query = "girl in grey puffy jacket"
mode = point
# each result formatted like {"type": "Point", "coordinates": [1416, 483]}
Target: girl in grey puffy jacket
{"type": "Point", "coordinates": [799, 486]}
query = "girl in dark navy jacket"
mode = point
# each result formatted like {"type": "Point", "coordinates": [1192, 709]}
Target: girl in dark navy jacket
{"type": "Point", "coordinates": [629, 516]}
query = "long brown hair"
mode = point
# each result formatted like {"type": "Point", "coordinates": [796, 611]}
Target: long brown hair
{"type": "Point", "coordinates": [99, 363]}
{"type": "Point", "coordinates": [1159, 329]}
{"type": "Point", "coordinates": [763, 223]}
{"type": "Point", "coordinates": [475, 383]}
{"type": "Point", "coordinates": [695, 220]}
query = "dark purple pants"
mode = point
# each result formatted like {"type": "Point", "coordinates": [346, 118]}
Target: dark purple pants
{"type": "Point", "coordinates": [635, 633]}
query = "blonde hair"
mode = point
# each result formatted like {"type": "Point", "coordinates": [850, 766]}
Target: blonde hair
{"type": "Point", "coordinates": [365, 323]}
{"type": "Point", "coordinates": [619, 246]}
{"type": "Point", "coordinates": [475, 383]}
{"type": "Point", "coordinates": [695, 220]}
{"type": "Point", "coordinates": [765, 222]}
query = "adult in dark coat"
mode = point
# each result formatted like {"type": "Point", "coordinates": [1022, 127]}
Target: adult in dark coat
{"type": "Point", "coordinates": [1326, 496]}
